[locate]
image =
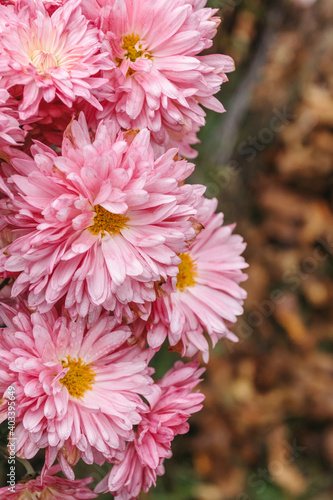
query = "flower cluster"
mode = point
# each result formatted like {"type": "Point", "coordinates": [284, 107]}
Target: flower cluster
{"type": "Point", "coordinates": [106, 252]}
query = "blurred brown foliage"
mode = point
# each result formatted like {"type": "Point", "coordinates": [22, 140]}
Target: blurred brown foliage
{"type": "Point", "coordinates": [266, 430]}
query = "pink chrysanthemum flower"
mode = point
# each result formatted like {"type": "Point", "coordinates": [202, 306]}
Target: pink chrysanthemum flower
{"type": "Point", "coordinates": [50, 56]}
{"type": "Point", "coordinates": [10, 131]}
{"type": "Point", "coordinates": [49, 487]}
{"type": "Point", "coordinates": [160, 82]}
{"type": "Point", "coordinates": [171, 406]}
{"type": "Point", "coordinates": [75, 385]}
{"type": "Point", "coordinates": [208, 296]}
{"type": "Point", "coordinates": [98, 225]}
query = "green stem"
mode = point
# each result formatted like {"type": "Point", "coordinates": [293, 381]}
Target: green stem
{"type": "Point", "coordinates": [28, 467]}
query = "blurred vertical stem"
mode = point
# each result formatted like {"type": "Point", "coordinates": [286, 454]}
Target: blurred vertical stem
{"type": "Point", "coordinates": [26, 464]}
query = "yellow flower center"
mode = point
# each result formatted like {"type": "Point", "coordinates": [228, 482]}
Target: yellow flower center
{"type": "Point", "coordinates": [79, 377]}
{"type": "Point", "coordinates": [129, 43]}
{"type": "Point", "coordinates": [107, 221]}
{"type": "Point", "coordinates": [187, 272]}
{"type": "Point", "coordinates": [43, 60]}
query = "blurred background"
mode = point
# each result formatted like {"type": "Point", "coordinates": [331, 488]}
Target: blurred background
{"type": "Point", "coordinates": [266, 429]}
